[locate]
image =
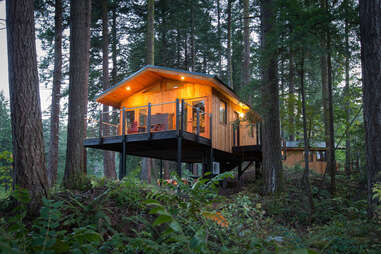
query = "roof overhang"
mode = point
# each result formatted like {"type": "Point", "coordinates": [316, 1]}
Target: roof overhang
{"type": "Point", "coordinates": [150, 74]}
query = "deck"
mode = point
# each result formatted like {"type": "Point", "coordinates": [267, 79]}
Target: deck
{"type": "Point", "coordinates": [171, 136]}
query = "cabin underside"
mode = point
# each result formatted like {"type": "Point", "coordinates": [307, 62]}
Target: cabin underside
{"type": "Point", "coordinates": [166, 145]}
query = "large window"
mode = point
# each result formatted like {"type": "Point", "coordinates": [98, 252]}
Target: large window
{"type": "Point", "coordinates": [311, 155]}
{"type": "Point", "coordinates": [142, 117]}
{"type": "Point", "coordinates": [223, 112]}
{"type": "Point", "coordinates": [320, 156]}
{"type": "Point", "coordinates": [201, 108]}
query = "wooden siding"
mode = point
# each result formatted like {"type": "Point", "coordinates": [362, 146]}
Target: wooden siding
{"type": "Point", "coordinates": [295, 157]}
{"type": "Point", "coordinates": [223, 133]}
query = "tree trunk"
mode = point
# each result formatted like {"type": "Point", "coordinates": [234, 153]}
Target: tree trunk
{"type": "Point", "coordinates": [246, 39]}
{"type": "Point", "coordinates": [229, 49]}
{"type": "Point", "coordinates": [56, 95]}
{"type": "Point", "coordinates": [108, 156]}
{"type": "Point", "coordinates": [219, 38]}
{"type": "Point", "coordinates": [370, 31]}
{"type": "Point", "coordinates": [326, 73]}
{"type": "Point", "coordinates": [306, 173]}
{"type": "Point", "coordinates": [272, 163]}
{"type": "Point", "coordinates": [150, 39]}
{"type": "Point", "coordinates": [27, 137]}
{"type": "Point", "coordinates": [192, 36]}
{"type": "Point", "coordinates": [347, 97]}
{"type": "Point", "coordinates": [331, 161]}
{"type": "Point", "coordinates": [291, 97]}
{"type": "Point", "coordinates": [80, 13]}
{"type": "Point", "coordinates": [147, 162]}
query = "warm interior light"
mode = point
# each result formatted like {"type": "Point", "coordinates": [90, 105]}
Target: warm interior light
{"type": "Point", "coordinates": [175, 87]}
{"type": "Point", "coordinates": [241, 115]}
{"type": "Point", "coordinates": [128, 88]}
{"type": "Point", "coordinates": [182, 77]}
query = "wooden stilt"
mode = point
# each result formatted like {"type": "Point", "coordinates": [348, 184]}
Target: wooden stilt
{"type": "Point", "coordinates": [161, 171]}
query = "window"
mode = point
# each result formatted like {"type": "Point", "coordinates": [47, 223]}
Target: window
{"type": "Point", "coordinates": [320, 156]}
{"type": "Point", "coordinates": [142, 117]}
{"type": "Point", "coordinates": [284, 155]}
{"type": "Point", "coordinates": [130, 116]}
{"type": "Point", "coordinates": [311, 155]}
{"type": "Point", "coordinates": [201, 108]}
{"type": "Point", "coordinates": [223, 112]}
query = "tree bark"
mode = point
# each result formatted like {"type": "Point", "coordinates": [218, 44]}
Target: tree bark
{"type": "Point", "coordinates": [80, 13]}
{"type": "Point", "coordinates": [108, 156]}
{"type": "Point", "coordinates": [347, 96]}
{"type": "Point", "coordinates": [229, 48]}
{"type": "Point", "coordinates": [370, 33]}
{"type": "Point", "coordinates": [246, 39]}
{"type": "Point", "coordinates": [306, 173]}
{"type": "Point", "coordinates": [272, 163]}
{"type": "Point", "coordinates": [27, 137]}
{"type": "Point", "coordinates": [56, 96]}
{"type": "Point", "coordinates": [291, 97]}
{"type": "Point", "coordinates": [219, 38]}
{"type": "Point", "coordinates": [192, 36]}
{"type": "Point", "coordinates": [150, 39]}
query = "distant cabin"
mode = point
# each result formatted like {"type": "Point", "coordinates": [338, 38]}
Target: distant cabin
{"type": "Point", "coordinates": [172, 114]}
{"type": "Point", "coordinates": [293, 155]}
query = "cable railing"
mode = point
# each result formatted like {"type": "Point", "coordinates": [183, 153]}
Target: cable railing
{"type": "Point", "coordinates": [189, 116]}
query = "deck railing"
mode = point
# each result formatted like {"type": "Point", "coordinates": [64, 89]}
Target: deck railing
{"type": "Point", "coordinates": [166, 116]}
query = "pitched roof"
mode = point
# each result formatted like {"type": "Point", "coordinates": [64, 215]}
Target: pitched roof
{"type": "Point", "coordinates": [151, 73]}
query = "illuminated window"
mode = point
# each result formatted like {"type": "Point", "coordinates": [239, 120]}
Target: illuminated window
{"type": "Point", "coordinates": [320, 156]}
{"type": "Point", "coordinates": [223, 112]}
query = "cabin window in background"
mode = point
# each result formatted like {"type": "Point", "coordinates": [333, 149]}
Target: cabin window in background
{"type": "Point", "coordinates": [310, 154]}
{"type": "Point", "coordinates": [142, 117]}
{"type": "Point", "coordinates": [284, 155]}
{"type": "Point", "coordinates": [223, 112]}
{"type": "Point", "coordinates": [320, 156]}
{"type": "Point", "coordinates": [201, 108]}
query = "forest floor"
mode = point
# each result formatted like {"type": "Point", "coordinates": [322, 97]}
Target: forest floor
{"type": "Point", "coordinates": [131, 217]}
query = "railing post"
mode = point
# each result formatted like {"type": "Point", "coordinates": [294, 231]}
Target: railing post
{"type": "Point", "coordinates": [100, 123]}
{"type": "Point", "coordinates": [211, 141]}
{"type": "Point", "coordinates": [234, 137]}
{"type": "Point", "coordinates": [124, 121]}
{"type": "Point", "coordinates": [182, 116]}
{"type": "Point", "coordinates": [198, 122]}
{"type": "Point", "coordinates": [178, 117]}
{"type": "Point", "coordinates": [149, 119]}
{"type": "Point", "coordinates": [238, 135]}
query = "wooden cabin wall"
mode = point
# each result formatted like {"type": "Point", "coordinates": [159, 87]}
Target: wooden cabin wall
{"type": "Point", "coordinates": [164, 91]}
{"type": "Point", "coordinates": [223, 133]}
{"type": "Point", "coordinates": [295, 157]}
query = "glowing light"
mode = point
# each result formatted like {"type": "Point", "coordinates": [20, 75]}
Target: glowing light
{"type": "Point", "coordinates": [175, 87]}
{"type": "Point", "coordinates": [241, 115]}
{"type": "Point", "coordinates": [182, 77]}
{"type": "Point", "coordinates": [128, 88]}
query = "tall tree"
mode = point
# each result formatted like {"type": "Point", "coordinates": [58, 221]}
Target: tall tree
{"type": "Point", "coordinates": [291, 96]}
{"type": "Point", "coordinates": [219, 38]}
{"type": "Point", "coordinates": [80, 14]}
{"type": "Point", "coordinates": [370, 32]}
{"type": "Point", "coordinates": [229, 47]}
{"type": "Point", "coordinates": [147, 162]}
{"type": "Point", "coordinates": [306, 173]}
{"type": "Point", "coordinates": [272, 163]}
{"type": "Point", "coordinates": [108, 156]}
{"type": "Point", "coordinates": [27, 137]}
{"type": "Point", "coordinates": [150, 39]}
{"type": "Point", "coordinates": [326, 72]}
{"type": "Point", "coordinates": [347, 94]}
{"type": "Point", "coordinates": [246, 42]}
{"type": "Point", "coordinates": [56, 95]}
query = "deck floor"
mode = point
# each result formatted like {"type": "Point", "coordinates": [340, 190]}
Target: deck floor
{"type": "Point", "coordinates": [163, 145]}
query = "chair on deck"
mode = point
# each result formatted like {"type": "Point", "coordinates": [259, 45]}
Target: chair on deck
{"type": "Point", "coordinates": [133, 128]}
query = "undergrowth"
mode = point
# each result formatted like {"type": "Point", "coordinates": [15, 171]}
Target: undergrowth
{"type": "Point", "coordinates": [132, 217]}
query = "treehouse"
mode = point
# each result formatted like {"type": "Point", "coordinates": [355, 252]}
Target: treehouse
{"type": "Point", "coordinates": [172, 114]}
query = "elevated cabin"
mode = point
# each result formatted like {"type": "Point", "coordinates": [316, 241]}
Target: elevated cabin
{"type": "Point", "coordinates": [293, 155]}
{"type": "Point", "coordinates": [172, 114]}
